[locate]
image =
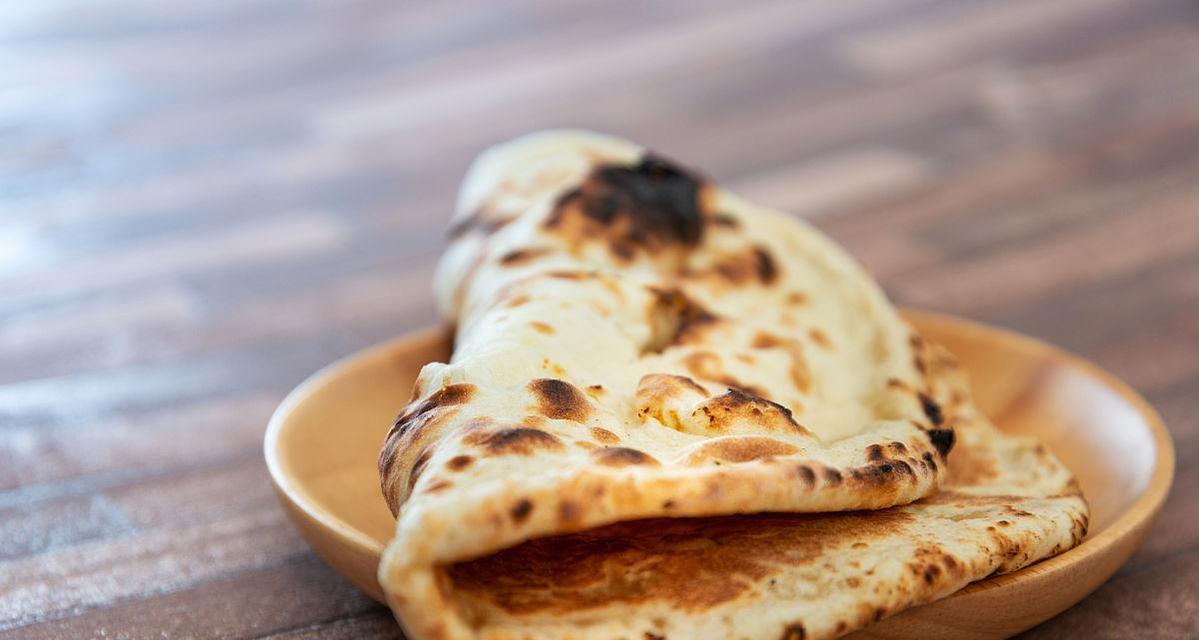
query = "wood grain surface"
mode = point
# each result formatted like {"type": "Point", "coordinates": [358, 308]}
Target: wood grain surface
{"type": "Point", "coordinates": [203, 202]}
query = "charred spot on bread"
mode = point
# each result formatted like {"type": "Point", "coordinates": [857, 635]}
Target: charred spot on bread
{"type": "Point", "coordinates": [419, 418]}
{"type": "Point", "coordinates": [737, 449]}
{"type": "Point", "coordinates": [447, 396]}
{"type": "Point", "coordinates": [418, 466]}
{"type": "Point", "coordinates": [648, 205]}
{"type": "Point", "coordinates": [560, 400]}
{"type": "Point", "coordinates": [929, 461]}
{"type": "Point", "coordinates": [521, 510]}
{"type": "Point", "coordinates": [736, 406]}
{"type": "Point", "coordinates": [514, 441]}
{"type": "Point", "coordinates": [765, 266]}
{"type": "Point", "coordinates": [622, 457]}
{"type": "Point", "coordinates": [931, 409]}
{"type": "Point", "coordinates": [942, 440]}
{"type": "Point", "coordinates": [754, 264]}
{"type": "Point", "coordinates": [522, 256]}
{"type": "Point", "coordinates": [875, 453]}
{"type": "Point", "coordinates": [674, 318]}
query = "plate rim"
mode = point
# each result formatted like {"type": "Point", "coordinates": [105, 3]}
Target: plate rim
{"type": "Point", "coordinates": [284, 486]}
{"type": "Point", "coordinates": [1142, 513]}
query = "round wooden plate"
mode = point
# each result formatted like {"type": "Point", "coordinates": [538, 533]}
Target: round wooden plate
{"type": "Point", "coordinates": [322, 443]}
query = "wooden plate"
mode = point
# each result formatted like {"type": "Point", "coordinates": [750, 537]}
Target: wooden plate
{"type": "Point", "coordinates": [322, 442]}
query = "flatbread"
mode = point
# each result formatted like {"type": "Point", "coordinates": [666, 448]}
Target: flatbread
{"type": "Point", "coordinates": [633, 342]}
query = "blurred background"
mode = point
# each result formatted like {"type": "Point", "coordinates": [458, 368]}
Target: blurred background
{"type": "Point", "coordinates": [203, 202]}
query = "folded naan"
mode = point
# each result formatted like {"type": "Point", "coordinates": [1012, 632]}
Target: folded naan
{"type": "Point", "coordinates": [634, 343]}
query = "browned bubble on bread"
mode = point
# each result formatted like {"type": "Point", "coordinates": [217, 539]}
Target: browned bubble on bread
{"type": "Point", "coordinates": [735, 407]}
{"type": "Point", "coordinates": [560, 400]}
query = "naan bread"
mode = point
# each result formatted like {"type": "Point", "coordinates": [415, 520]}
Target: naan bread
{"type": "Point", "coordinates": [635, 343]}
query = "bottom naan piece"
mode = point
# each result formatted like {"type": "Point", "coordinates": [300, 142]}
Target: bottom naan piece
{"type": "Point", "coordinates": [1009, 503]}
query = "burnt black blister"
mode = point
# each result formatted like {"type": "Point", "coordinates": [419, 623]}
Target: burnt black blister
{"type": "Point", "coordinates": [521, 510]}
{"type": "Point", "coordinates": [942, 439]}
{"type": "Point", "coordinates": [660, 196]}
{"type": "Point", "coordinates": [932, 409]}
{"type": "Point", "coordinates": [765, 266]}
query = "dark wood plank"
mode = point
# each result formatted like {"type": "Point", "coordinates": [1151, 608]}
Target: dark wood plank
{"type": "Point", "coordinates": [301, 592]}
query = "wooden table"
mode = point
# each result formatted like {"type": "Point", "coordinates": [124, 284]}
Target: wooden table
{"type": "Point", "coordinates": [203, 202]}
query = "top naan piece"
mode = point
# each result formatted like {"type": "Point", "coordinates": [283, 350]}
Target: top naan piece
{"type": "Point", "coordinates": [634, 342]}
